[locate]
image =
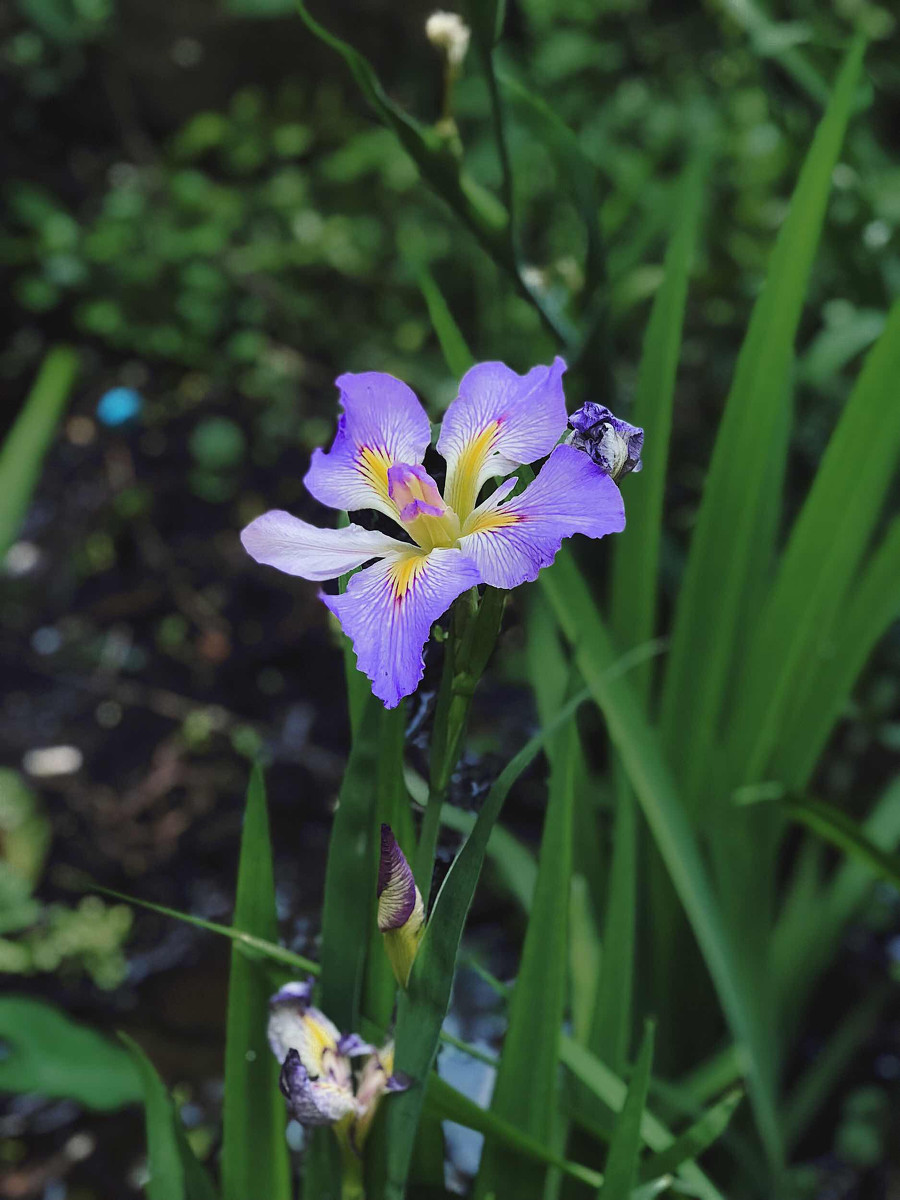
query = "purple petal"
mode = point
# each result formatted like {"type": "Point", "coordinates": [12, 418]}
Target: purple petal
{"type": "Point", "coordinates": [396, 885]}
{"type": "Point", "coordinates": [382, 423]}
{"type": "Point", "coordinates": [499, 421]}
{"type": "Point", "coordinates": [398, 1082]}
{"type": "Point", "coordinates": [351, 1045]}
{"type": "Point", "coordinates": [298, 991]}
{"type": "Point", "coordinates": [388, 609]}
{"type": "Point", "coordinates": [513, 541]}
{"type": "Point", "coordinates": [414, 492]}
{"type": "Point", "coordinates": [280, 540]}
{"type": "Point", "coordinates": [614, 445]}
{"type": "Point", "coordinates": [313, 1102]}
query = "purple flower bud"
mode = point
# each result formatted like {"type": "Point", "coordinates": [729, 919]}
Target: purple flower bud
{"type": "Point", "coordinates": [314, 1101]}
{"type": "Point", "coordinates": [396, 886]}
{"type": "Point", "coordinates": [614, 445]}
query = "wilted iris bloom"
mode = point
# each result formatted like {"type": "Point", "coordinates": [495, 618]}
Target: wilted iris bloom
{"type": "Point", "coordinates": [614, 445]}
{"type": "Point", "coordinates": [499, 420]}
{"type": "Point", "coordinates": [401, 914]}
{"type": "Point", "coordinates": [317, 1078]}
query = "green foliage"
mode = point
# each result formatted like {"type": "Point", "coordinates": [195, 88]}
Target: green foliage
{"type": "Point", "coordinates": [254, 1150]}
{"type": "Point", "coordinates": [625, 1147]}
{"type": "Point", "coordinates": [25, 445]}
{"type": "Point", "coordinates": [47, 1053]}
{"type": "Point", "coordinates": [173, 1172]}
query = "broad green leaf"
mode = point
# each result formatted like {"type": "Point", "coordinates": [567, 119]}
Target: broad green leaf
{"type": "Point", "coordinates": [625, 1147]}
{"type": "Point", "coordinates": [47, 1053]}
{"type": "Point", "coordinates": [24, 447]}
{"type": "Point", "coordinates": [254, 1151]}
{"type": "Point", "coordinates": [669, 824]}
{"type": "Point", "coordinates": [724, 547]}
{"type": "Point", "coordinates": [608, 1087]}
{"type": "Point", "coordinates": [822, 557]}
{"type": "Point", "coordinates": [698, 1137]}
{"type": "Point", "coordinates": [872, 605]}
{"type": "Point", "coordinates": [842, 831]}
{"type": "Point", "coordinates": [173, 1171]}
{"type": "Point", "coordinates": [527, 1085]}
{"type": "Point", "coordinates": [422, 1008]}
{"type": "Point", "coordinates": [446, 1102]}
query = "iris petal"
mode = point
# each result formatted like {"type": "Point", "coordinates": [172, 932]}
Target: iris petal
{"type": "Point", "coordinates": [388, 609]}
{"type": "Point", "coordinates": [382, 423]}
{"type": "Point", "coordinates": [499, 421]}
{"type": "Point", "coordinates": [511, 542]}
{"type": "Point", "coordinates": [298, 548]}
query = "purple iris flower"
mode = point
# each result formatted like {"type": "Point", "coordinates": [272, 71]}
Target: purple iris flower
{"type": "Point", "coordinates": [499, 421]}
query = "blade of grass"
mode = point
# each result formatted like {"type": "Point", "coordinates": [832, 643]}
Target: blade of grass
{"type": "Point", "coordinates": [608, 1087]}
{"type": "Point", "coordinates": [871, 607]}
{"type": "Point", "coordinates": [350, 875]}
{"type": "Point", "coordinates": [822, 557]}
{"type": "Point", "coordinates": [527, 1084]}
{"type": "Point", "coordinates": [721, 559]}
{"type": "Point", "coordinates": [669, 824]}
{"type": "Point", "coordinates": [173, 1171]}
{"type": "Point", "coordinates": [625, 1147]}
{"type": "Point", "coordinates": [456, 353]}
{"type": "Point", "coordinates": [28, 440]}
{"type": "Point", "coordinates": [446, 1102]}
{"type": "Point", "coordinates": [696, 1139]}
{"type": "Point", "coordinates": [422, 1008]}
{"type": "Point", "coordinates": [254, 1151]}
{"type": "Point", "coordinates": [844, 833]}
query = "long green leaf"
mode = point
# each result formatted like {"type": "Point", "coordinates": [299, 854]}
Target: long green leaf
{"type": "Point", "coordinates": [526, 1089]}
{"type": "Point", "coordinates": [29, 438]}
{"type": "Point", "coordinates": [254, 1151]}
{"type": "Point", "coordinates": [446, 1102]}
{"type": "Point", "coordinates": [822, 557]}
{"type": "Point", "coordinates": [608, 1087]}
{"type": "Point", "coordinates": [456, 353]}
{"type": "Point", "coordinates": [422, 1008]}
{"type": "Point", "coordinates": [625, 1147]}
{"type": "Point", "coordinates": [871, 607]}
{"type": "Point", "coordinates": [698, 1137]}
{"type": "Point", "coordinates": [842, 831]}
{"type": "Point", "coordinates": [173, 1172]}
{"type": "Point", "coordinates": [350, 876]}
{"type": "Point", "coordinates": [668, 821]}
{"type": "Point", "coordinates": [48, 1054]}
{"type": "Point", "coordinates": [737, 490]}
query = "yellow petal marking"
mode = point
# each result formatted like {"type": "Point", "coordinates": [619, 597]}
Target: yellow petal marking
{"type": "Point", "coordinates": [373, 464]}
{"type": "Point", "coordinates": [404, 572]}
{"type": "Point", "coordinates": [466, 481]}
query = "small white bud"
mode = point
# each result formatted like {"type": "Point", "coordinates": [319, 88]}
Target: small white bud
{"type": "Point", "coordinates": [448, 33]}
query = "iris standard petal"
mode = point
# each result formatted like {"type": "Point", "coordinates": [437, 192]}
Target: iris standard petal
{"type": "Point", "coordinates": [382, 423]}
{"type": "Point", "coordinates": [498, 421]}
{"type": "Point", "coordinates": [511, 542]}
{"type": "Point", "coordinates": [298, 548]}
{"type": "Point", "coordinates": [388, 609]}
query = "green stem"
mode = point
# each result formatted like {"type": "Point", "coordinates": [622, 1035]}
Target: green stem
{"type": "Point", "coordinates": [473, 632]}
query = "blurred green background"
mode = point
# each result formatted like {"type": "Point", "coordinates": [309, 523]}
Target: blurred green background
{"type": "Point", "coordinates": [197, 196]}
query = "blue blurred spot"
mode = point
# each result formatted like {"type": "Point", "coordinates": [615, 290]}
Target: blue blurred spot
{"type": "Point", "coordinates": [118, 406]}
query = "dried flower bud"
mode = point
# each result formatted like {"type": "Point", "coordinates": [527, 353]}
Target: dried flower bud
{"type": "Point", "coordinates": [448, 33]}
{"type": "Point", "coordinates": [401, 914]}
{"type": "Point", "coordinates": [614, 445]}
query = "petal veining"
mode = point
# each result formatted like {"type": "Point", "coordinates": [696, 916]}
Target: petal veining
{"type": "Point", "coordinates": [382, 423]}
{"type": "Point", "coordinates": [388, 610]}
{"type": "Point", "coordinates": [511, 542]}
{"type": "Point", "coordinates": [279, 540]}
{"type": "Point", "coordinates": [499, 421]}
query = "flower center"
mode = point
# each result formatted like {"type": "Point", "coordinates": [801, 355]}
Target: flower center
{"type": "Point", "coordinates": [423, 513]}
